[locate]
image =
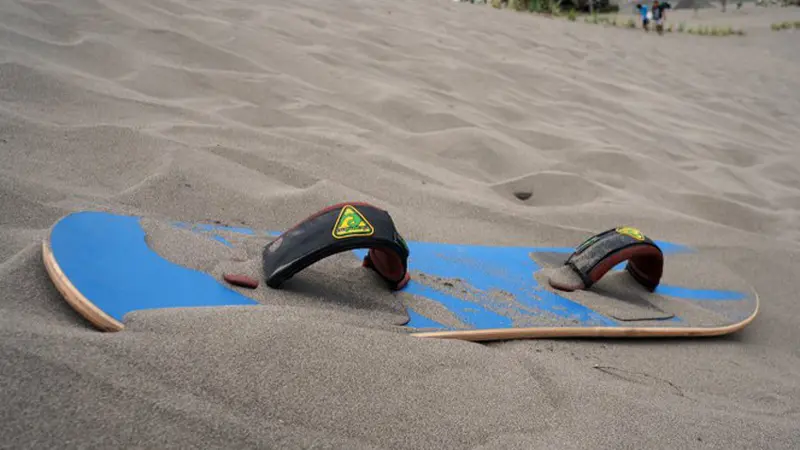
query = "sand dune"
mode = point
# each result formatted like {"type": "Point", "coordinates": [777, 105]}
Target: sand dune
{"type": "Point", "coordinates": [257, 114]}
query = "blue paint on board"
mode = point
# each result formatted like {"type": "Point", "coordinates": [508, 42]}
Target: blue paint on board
{"type": "Point", "coordinates": [699, 294]}
{"type": "Point", "coordinates": [507, 269]}
{"type": "Point", "coordinates": [219, 238]}
{"type": "Point", "coordinates": [106, 258]}
{"type": "Point", "coordinates": [240, 230]}
{"type": "Point", "coordinates": [417, 320]}
{"type": "Point", "coordinates": [492, 269]}
{"type": "Point", "coordinates": [691, 294]}
{"type": "Point", "coordinates": [471, 314]}
{"type": "Point", "coordinates": [213, 227]}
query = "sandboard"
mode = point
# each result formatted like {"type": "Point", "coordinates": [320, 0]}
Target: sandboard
{"type": "Point", "coordinates": [104, 268]}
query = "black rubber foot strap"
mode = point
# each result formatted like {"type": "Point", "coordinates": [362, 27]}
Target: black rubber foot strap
{"type": "Point", "coordinates": [336, 229]}
{"type": "Point", "coordinates": [601, 252]}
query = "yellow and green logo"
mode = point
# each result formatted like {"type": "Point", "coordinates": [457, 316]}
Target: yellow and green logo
{"type": "Point", "coordinates": [351, 223]}
{"type": "Point", "coordinates": [632, 232]}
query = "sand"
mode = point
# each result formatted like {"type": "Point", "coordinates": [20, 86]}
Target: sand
{"type": "Point", "coordinates": [259, 113]}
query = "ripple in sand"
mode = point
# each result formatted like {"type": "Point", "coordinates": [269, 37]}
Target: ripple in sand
{"type": "Point", "coordinates": [477, 154]}
{"type": "Point", "coordinates": [14, 241]}
{"type": "Point", "coordinates": [269, 167]}
{"type": "Point", "coordinates": [784, 172]}
{"type": "Point", "coordinates": [733, 155]}
{"type": "Point", "coordinates": [264, 117]}
{"type": "Point", "coordinates": [88, 54]}
{"type": "Point", "coordinates": [20, 211]}
{"type": "Point", "coordinates": [541, 140]}
{"type": "Point", "coordinates": [165, 82]}
{"type": "Point", "coordinates": [408, 115]}
{"type": "Point", "coordinates": [202, 185]}
{"type": "Point", "coordinates": [183, 50]}
{"type": "Point", "coordinates": [725, 212]}
{"type": "Point", "coordinates": [403, 169]}
{"type": "Point", "coordinates": [66, 98]}
{"type": "Point", "coordinates": [626, 169]}
{"type": "Point", "coordinates": [42, 21]}
{"type": "Point", "coordinates": [98, 160]}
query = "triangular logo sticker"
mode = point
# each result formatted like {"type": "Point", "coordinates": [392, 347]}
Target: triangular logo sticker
{"type": "Point", "coordinates": [351, 223]}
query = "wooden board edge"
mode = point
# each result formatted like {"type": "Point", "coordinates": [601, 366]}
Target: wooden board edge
{"type": "Point", "coordinates": [73, 296]}
{"type": "Point", "coordinates": [499, 334]}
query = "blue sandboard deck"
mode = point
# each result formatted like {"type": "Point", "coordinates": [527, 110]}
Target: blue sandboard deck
{"type": "Point", "coordinates": [103, 267]}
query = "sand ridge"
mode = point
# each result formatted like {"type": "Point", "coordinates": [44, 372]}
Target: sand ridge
{"type": "Point", "coordinates": [259, 113]}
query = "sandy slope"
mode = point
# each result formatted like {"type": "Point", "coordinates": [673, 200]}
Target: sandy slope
{"type": "Point", "coordinates": [258, 113]}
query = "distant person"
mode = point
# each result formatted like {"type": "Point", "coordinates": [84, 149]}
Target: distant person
{"type": "Point", "coordinates": [645, 16]}
{"type": "Point", "coordinates": [658, 14]}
